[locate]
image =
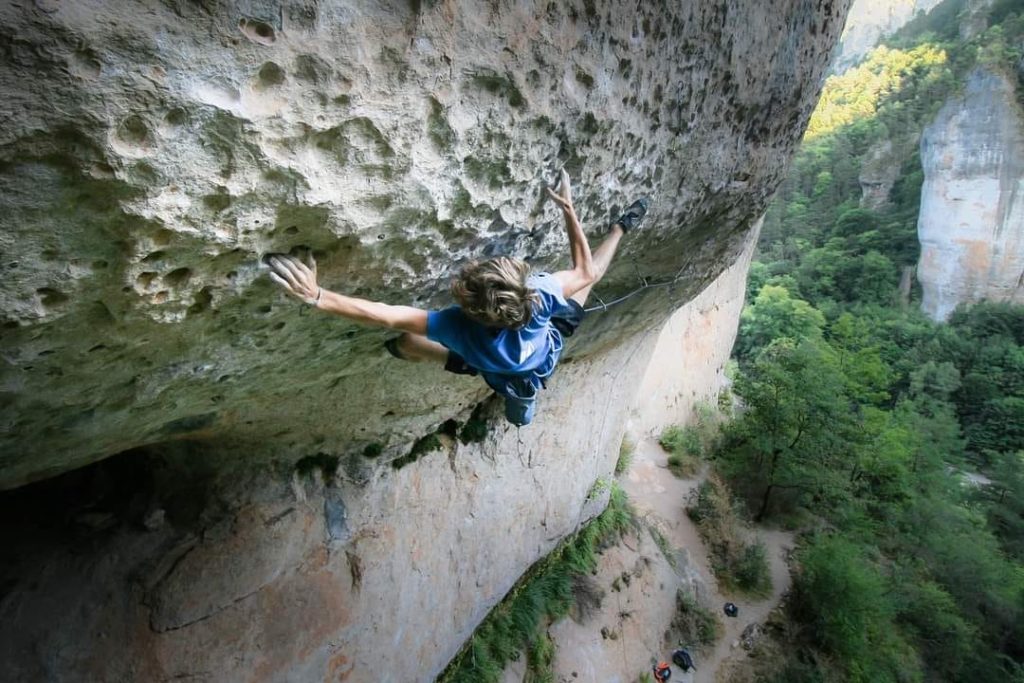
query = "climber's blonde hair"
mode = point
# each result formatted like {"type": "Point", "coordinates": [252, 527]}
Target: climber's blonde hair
{"type": "Point", "coordinates": [494, 292]}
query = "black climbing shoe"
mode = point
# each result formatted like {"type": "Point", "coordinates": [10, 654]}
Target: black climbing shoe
{"type": "Point", "coordinates": [392, 347]}
{"type": "Point", "coordinates": [634, 215]}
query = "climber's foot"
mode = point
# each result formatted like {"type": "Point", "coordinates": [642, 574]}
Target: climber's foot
{"type": "Point", "coordinates": [392, 347]}
{"type": "Point", "coordinates": [634, 215]}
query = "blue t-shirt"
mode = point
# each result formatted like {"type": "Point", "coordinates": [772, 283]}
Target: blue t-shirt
{"type": "Point", "coordinates": [511, 361]}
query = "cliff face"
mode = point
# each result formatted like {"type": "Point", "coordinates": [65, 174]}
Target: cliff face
{"type": "Point", "coordinates": [871, 20]}
{"type": "Point", "coordinates": [971, 223]}
{"type": "Point", "coordinates": [149, 157]}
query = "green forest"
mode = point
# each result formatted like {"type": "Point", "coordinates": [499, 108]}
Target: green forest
{"type": "Point", "coordinates": [894, 444]}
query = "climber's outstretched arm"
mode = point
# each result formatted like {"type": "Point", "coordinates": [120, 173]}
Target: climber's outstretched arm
{"type": "Point", "coordinates": [583, 273]}
{"type": "Point", "coordinates": [299, 280]}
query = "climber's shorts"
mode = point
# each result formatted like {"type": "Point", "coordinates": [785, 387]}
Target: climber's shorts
{"type": "Point", "coordinates": [568, 319]}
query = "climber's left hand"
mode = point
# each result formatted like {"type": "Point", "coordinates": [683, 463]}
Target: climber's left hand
{"type": "Point", "coordinates": [297, 278]}
{"type": "Point", "coordinates": [564, 195]}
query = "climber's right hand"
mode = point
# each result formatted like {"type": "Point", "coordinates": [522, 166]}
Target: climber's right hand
{"type": "Point", "coordinates": [297, 278]}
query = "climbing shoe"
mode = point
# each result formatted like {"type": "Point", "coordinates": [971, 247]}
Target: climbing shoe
{"type": "Point", "coordinates": [392, 347]}
{"type": "Point", "coordinates": [634, 215]}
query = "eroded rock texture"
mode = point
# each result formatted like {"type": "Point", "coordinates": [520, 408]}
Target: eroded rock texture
{"type": "Point", "coordinates": [971, 224]}
{"type": "Point", "coordinates": [151, 153]}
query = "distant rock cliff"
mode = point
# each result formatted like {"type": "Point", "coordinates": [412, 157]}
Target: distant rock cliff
{"type": "Point", "coordinates": [269, 496]}
{"type": "Point", "coordinates": [971, 223]}
{"type": "Point", "coordinates": [871, 20]}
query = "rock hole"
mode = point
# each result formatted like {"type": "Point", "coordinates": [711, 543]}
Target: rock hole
{"type": "Point", "coordinates": [280, 325]}
{"type": "Point", "coordinates": [85, 64]}
{"type": "Point", "coordinates": [259, 32]}
{"type": "Point", "coordinates": [271, 75]}
{"type": "Point", "coordinates": [178, 277]}
{"type": "Point", "coordinates": [163, 237]}
{"type": "Point", "coordinates": [51, 297]}
{"type": "Point", "coordinates": [134, 131]}
{"type": "Point", "coordinates": [291, 230]}
{"type": "Point", "coordinates": [145, 280]}
{"type": "Point", "coordinates": [201, 302]}
{"type": "Point", "coordinates": [154, 256]}
{"type": "Point", "coordinates": [98, 347]}
{"type": "Point", "coordinates": [160, 297]}
{"type": "Point", "coordinates": [99, 265]}
{"type": "Point", "coordinates": [176, 117]}
{"type": "Point", "coordinates": [217, 202]}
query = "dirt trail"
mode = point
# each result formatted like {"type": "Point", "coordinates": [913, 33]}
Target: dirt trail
{"type": "Point", "coordinates": [656, 492]}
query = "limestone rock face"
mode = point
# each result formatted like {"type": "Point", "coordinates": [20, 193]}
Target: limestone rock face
{"type": "Point", "coordinates": [971, 223]}
{"type": "Point", "coordinates": [152, 153]}
{"type": "Point", "coordinates": [878, 173]}
{"type": "Point", "coordinates": [245, 514]}
{"type": "Point", "coordinates": [871, 20]}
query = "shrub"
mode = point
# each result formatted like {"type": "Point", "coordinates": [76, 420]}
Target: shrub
{"type": "Point", "coordinates": [673, 439]}
{"type": "Point", "coordinates": [682, 466]}
{"type": "Point", "coordinates": [751, 569]}
{"type": "Point", "coordinates": [686, 444]}
{"type": "Point", "coordinates": [737, 562]}
{"type": "Point", "coordinates": [694, 623]}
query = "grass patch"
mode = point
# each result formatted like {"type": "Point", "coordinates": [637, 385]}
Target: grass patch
{"type": "Point", "coordinates": [540, 657]}
{"type": "Point", "coordinates": [738, 562]}
{"type": "Point", "coordinates": [693, 623]}
{"type": "Point", "coordinates": [544, 594]}
{"type": "Point", "coordinates": [625, 456]}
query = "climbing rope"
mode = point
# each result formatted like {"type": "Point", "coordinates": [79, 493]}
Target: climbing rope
{"type": "Point", "coordinates": [644, 284]}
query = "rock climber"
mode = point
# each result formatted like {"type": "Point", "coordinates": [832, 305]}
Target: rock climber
{"type": "Point", "coordinates": [508, 324]}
